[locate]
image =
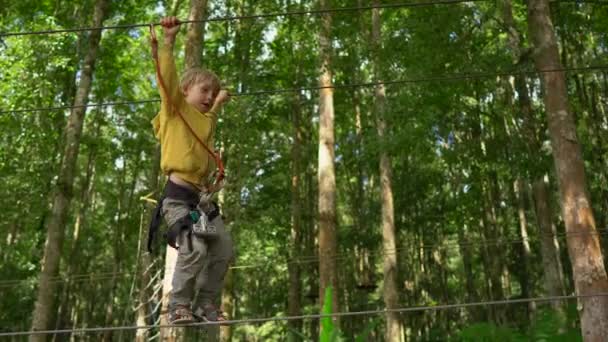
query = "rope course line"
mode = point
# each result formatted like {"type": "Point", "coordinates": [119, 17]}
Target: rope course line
{"type": "Point", "coordinates": [448, 77]}
{"type": "Point", "coordinates": [311, 258]}
{"type": "Point", "coordinates": [250, 16]}
{"type": "Point", "coordinates": [313, 316]}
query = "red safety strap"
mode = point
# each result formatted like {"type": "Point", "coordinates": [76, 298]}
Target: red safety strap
{"type": "Point", "coordinates": [218, 161]}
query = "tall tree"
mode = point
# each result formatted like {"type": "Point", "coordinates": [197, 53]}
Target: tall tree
{"type": "Point", "coordinates": [45, 300]}
{"type": "Point", "coordinates": [328, 270]}
{"type": "Point", "coordinates": [583, 244]}
{"type": "Point", "coordinates": [390, 292]}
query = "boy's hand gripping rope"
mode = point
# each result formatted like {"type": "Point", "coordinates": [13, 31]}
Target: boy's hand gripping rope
{"type": "Point", "coordinates": [217, 185]}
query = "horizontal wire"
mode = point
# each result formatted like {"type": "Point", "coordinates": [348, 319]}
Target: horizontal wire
{"type": "Point", "coordinates": [448, 77]}
{"type": "Point", "coordinates": [250, 16]}
{"type": "Point", "coordinates": [86, 277]}
{"type": "Point", "coordinates": [282, 14]}
{"type": "Point", "coordinates": [314, 316]}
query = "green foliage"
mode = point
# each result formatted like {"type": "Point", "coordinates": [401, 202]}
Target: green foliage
{"type": "Point", "coordinates": [548, 325]}
{"type": "Point", "coordinates": [329, 333]}
{"type": "Point", "coordinates": [488, 332]}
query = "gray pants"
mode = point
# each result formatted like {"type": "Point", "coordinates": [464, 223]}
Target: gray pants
{"type": "Point", "coordinates": [201, 268]}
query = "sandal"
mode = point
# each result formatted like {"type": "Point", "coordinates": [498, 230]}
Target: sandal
{"type": "Point", "coordinates": [210, 313]}
{"type": "Point", "coordinates": [181, 314]}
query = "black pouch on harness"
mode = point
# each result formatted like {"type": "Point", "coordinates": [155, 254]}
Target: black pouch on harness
{"type": "Point", "coordinates": [185, 223]}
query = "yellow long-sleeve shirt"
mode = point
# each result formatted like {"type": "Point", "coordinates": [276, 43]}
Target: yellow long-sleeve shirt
{"type": "Point", "coordinates": [181, 153]}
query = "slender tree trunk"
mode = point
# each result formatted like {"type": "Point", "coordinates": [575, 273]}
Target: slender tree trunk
{"type": "Point", "coordinates": [45, 299]}
{"type": "Point", "coordinates": [366, 261]}
{"type": "Point", "coordinates": [583, 243]}
{"type": "Point", "coordinates": [493, 264]}
{"type": "Point", "coordinates": [328, 270]}
{"type": "Point", "coordinates": [394, 329]}
{"type": "Point", "coordinates": [310, 224]}
{"type": "Point", "coordinates": [294, 302]}
{"type": "Point", "coordinates": [465, 247]}
{"type": "Point", "coordinates": [144, 261]}
{"type": "Point", "coordinates": [526, 251]}
{"type": "Point", "coordinates": [228, 304]}
{"type": "Point", "coordinates": [86, 195]}
{"type": "Point", "coordinates": [124, 209]}
{"type": "Point", "coordinates": [167, 334]}
{"type": "Point", "coordinates": [552, 266]}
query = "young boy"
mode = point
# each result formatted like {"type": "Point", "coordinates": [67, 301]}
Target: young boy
{"type": "Point", "coordinates": [202, 259]}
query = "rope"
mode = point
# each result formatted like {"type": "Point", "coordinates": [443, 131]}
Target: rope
{"type": "Point", "coordinates": [314, 316]}
{"type": "Point", "coordinates": [453, 77]}
{"type": "Point", "coordinates": [250, 16]}
{"type": "Point", "coordinates": [312, 258]}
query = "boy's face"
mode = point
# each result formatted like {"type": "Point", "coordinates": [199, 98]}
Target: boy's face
{"type": "Point", "coordinates": [201, 95]}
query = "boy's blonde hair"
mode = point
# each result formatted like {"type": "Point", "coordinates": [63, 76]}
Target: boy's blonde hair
{"type": "Point", "coordinates": [199, 75]}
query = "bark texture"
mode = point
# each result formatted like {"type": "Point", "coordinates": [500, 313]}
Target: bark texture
{"type": "Point", "coordinates": [328, 275]}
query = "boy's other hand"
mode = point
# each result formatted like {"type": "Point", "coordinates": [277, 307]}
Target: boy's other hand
{"type": "Point", "coordinates": [170, 26]}
{"type": "Point", "coordinates": [222, 97]}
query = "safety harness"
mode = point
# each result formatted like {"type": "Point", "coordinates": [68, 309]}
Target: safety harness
{"type": "Point", "coordinates": [198, 222]}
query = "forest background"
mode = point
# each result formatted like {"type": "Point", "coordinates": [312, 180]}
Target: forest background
{"type": "Point", "coordinates": [424, 175]}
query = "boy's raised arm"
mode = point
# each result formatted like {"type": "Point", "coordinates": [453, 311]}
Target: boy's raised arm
{"type": "Point", "coordinates": [222, 97]}
{"type": "Point", "coordinates": [168, 70]}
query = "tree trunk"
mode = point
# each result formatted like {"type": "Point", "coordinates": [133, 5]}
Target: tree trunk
{"type": "Point", "coordinates": [294, 302]}
{"type": "Point", "coordinates": [552, 266]}
{"type": "Point", "coordinates": [328, 271]}
{"type": "Point", "coordinates": [310, 225]}
{"type": "Point", "coordinates": [195, 36]}
{"type": "Point", "coordinates": [465, 247]}
{"type": "Point", "coordinates": [45, 299]}
{"type": "Point", "coordinates": [86, 194]}
{"type": "Point", "coordinates": [526, 252]}
{"type": "Point", "coordinates": [494, 264]}
{"type": "Point", "coordinates": [228, 305]}
{"type": "Point", "coordinates": [394, 330]}
{"type": "Point", "coordinates": [583, 243]}
{"type": "Point", "coordinates": [144, 262]}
